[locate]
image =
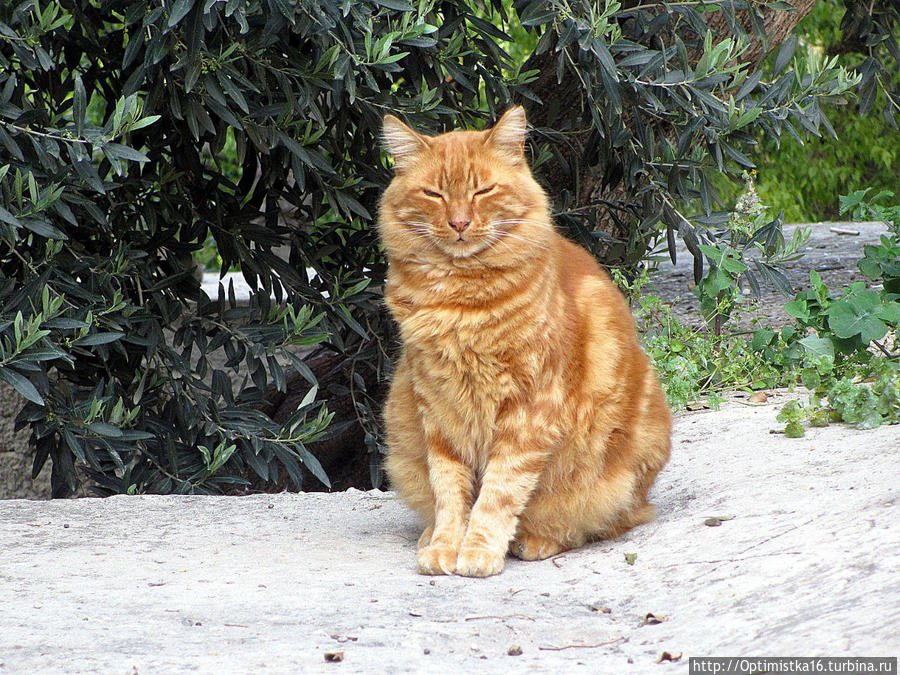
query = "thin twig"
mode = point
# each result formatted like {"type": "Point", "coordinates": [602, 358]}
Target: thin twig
{"type": "Point", "coordinates": [501, 618]}
{"type": "Point", "coordinates": [41, 134]}
{"type": "Point", "coordinates": [731, 560]}
{"type": "Point", "coordinates": [884, 350]}
{"type": "Point", "coordinates": [602, 644]}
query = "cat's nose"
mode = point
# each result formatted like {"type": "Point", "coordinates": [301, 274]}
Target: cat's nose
{"type": "Point", "coordinates": [460, 225]}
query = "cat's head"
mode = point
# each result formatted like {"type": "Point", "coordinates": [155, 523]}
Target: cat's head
{"type": "Point", "coordinates": [463, 193]}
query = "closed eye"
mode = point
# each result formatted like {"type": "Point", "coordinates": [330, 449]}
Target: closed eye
{"type": "Point", "coordinates": [432, 193]}
{"type": "Point", "coordinates": [484, 191]}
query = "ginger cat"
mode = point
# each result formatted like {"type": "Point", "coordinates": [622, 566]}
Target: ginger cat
{"type": "Point", "coordinates": [522, 415]}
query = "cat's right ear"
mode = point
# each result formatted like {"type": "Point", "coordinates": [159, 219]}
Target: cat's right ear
{"type": "Point", "coordinates": [403, 144]}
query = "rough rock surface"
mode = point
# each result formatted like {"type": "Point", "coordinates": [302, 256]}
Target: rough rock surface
{"type": "Point", "coordinates": [16, 456]}
{"type": "Point", "coordinates": [274, 583]}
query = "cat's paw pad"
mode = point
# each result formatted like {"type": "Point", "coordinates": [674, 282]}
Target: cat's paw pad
{"type": "Point", "coordinates": [436, 559]}
{"type": "Point", "coordinates": [478, 562]}
{"type": "Point", "coordinates": [532, 547]}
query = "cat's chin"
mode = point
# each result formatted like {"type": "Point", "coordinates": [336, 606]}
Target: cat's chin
{"type": "Point", "coordinates": [464, 248]}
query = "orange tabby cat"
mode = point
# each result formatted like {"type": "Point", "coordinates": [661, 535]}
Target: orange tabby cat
{"type": "Point", "coordinates": [523, 415]}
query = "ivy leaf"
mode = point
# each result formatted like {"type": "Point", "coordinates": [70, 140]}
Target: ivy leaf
{"type": "Point", "coordinates": [818, 346]}
{"type": "Point", "coordinates": [799, 309]}
{"type": "Point", "coordinates": [855, 317]}
{"type": "Point", "coordinates": [889, 312]}
{"type": "Point", "coordinates": [794, 430]}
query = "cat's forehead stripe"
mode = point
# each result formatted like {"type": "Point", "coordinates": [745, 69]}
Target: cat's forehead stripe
{"type": "Point", "coordinates": [456, 165]}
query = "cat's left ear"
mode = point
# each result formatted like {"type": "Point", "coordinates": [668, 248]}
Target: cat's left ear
{"type": "Point", "coordinates": [508, 134]}
{"type": "Point", "coordinates": [403, 143]}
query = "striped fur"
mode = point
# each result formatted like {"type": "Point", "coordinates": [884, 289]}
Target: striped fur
{"type": "Point", "coordinates": [523, 415]}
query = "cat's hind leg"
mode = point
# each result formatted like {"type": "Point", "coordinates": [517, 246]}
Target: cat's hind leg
{"type": "Point", "coordinates": [425, 538]}
{"type": "Point", "coordinates": [529, 546]}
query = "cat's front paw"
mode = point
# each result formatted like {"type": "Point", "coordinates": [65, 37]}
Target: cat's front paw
{"type": "Point", "coordinates": [478, 562]}
{"type": "Point", "coordinates": [437, 559]}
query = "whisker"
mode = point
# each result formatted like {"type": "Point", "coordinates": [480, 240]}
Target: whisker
{"type": "Point", "coordinates": [531, 242]}
{"type": "Point", "coordinates": [516, 221]}
{"type": "Point", "coordinates": [497, 239]}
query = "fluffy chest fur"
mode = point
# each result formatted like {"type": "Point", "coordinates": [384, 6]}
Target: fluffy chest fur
{"type": "Point", "coordinates": [472, 343]}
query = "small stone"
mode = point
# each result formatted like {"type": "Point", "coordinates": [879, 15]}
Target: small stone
{"type": "Point", "coordinates": [597, 607]}
{"type": "Point", "coordinates": [514, 650]}
{"type": "Point", "coordinates": [668, 656]}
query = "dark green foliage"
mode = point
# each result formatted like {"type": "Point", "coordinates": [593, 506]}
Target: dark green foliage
{"type": "Point", "coordinates": [663, 107]}
{"type": "Point", "coordinates": [748, 231]}
{"type": "Point", "coordinates": [804, 177]}
{"type": "Point", "coordinates": [133, 132]}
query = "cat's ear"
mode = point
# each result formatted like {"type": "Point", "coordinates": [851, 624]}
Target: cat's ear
{"type": "Point", "coordinates": [403, 144]}
{"type": "Point", "coordinates": [508, 134]}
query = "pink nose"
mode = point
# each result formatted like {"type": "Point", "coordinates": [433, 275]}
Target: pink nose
{"type": "Point", "coordinates": [460, 225]}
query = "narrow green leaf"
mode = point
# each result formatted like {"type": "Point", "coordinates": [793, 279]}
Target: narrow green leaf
{"type": "Point", "coordinates": [104, 429]}
{"type": "Point", "coordinates": [310, 462]}
{"type": "Point", "coordinates": [79, 105]}
{"type": "Point", "coordinates": [99, 338]}
{"type": "Point", "coordinates": [9, 218]}
{"type": "Point", "coordinates": [285, 9]}
{"type": "Point", "coordinates": [785, 54]}
{"type": "Point", "coordinates": [396, 5]}
{"type": "Point", "coordinates": [119, 151]}
{"type": "Point", "coordinates": [144, 122]}
{"type": "Point", "coordinates": [310, 397]}
{"type": "Point", "coordinates": [44, 229]}
{"type": "Point", "coordinates": [179, 10]}
{"type": "Point", "coordinates": [749, 85]}
{"type": "Point", "coordinates": [21, 384]}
